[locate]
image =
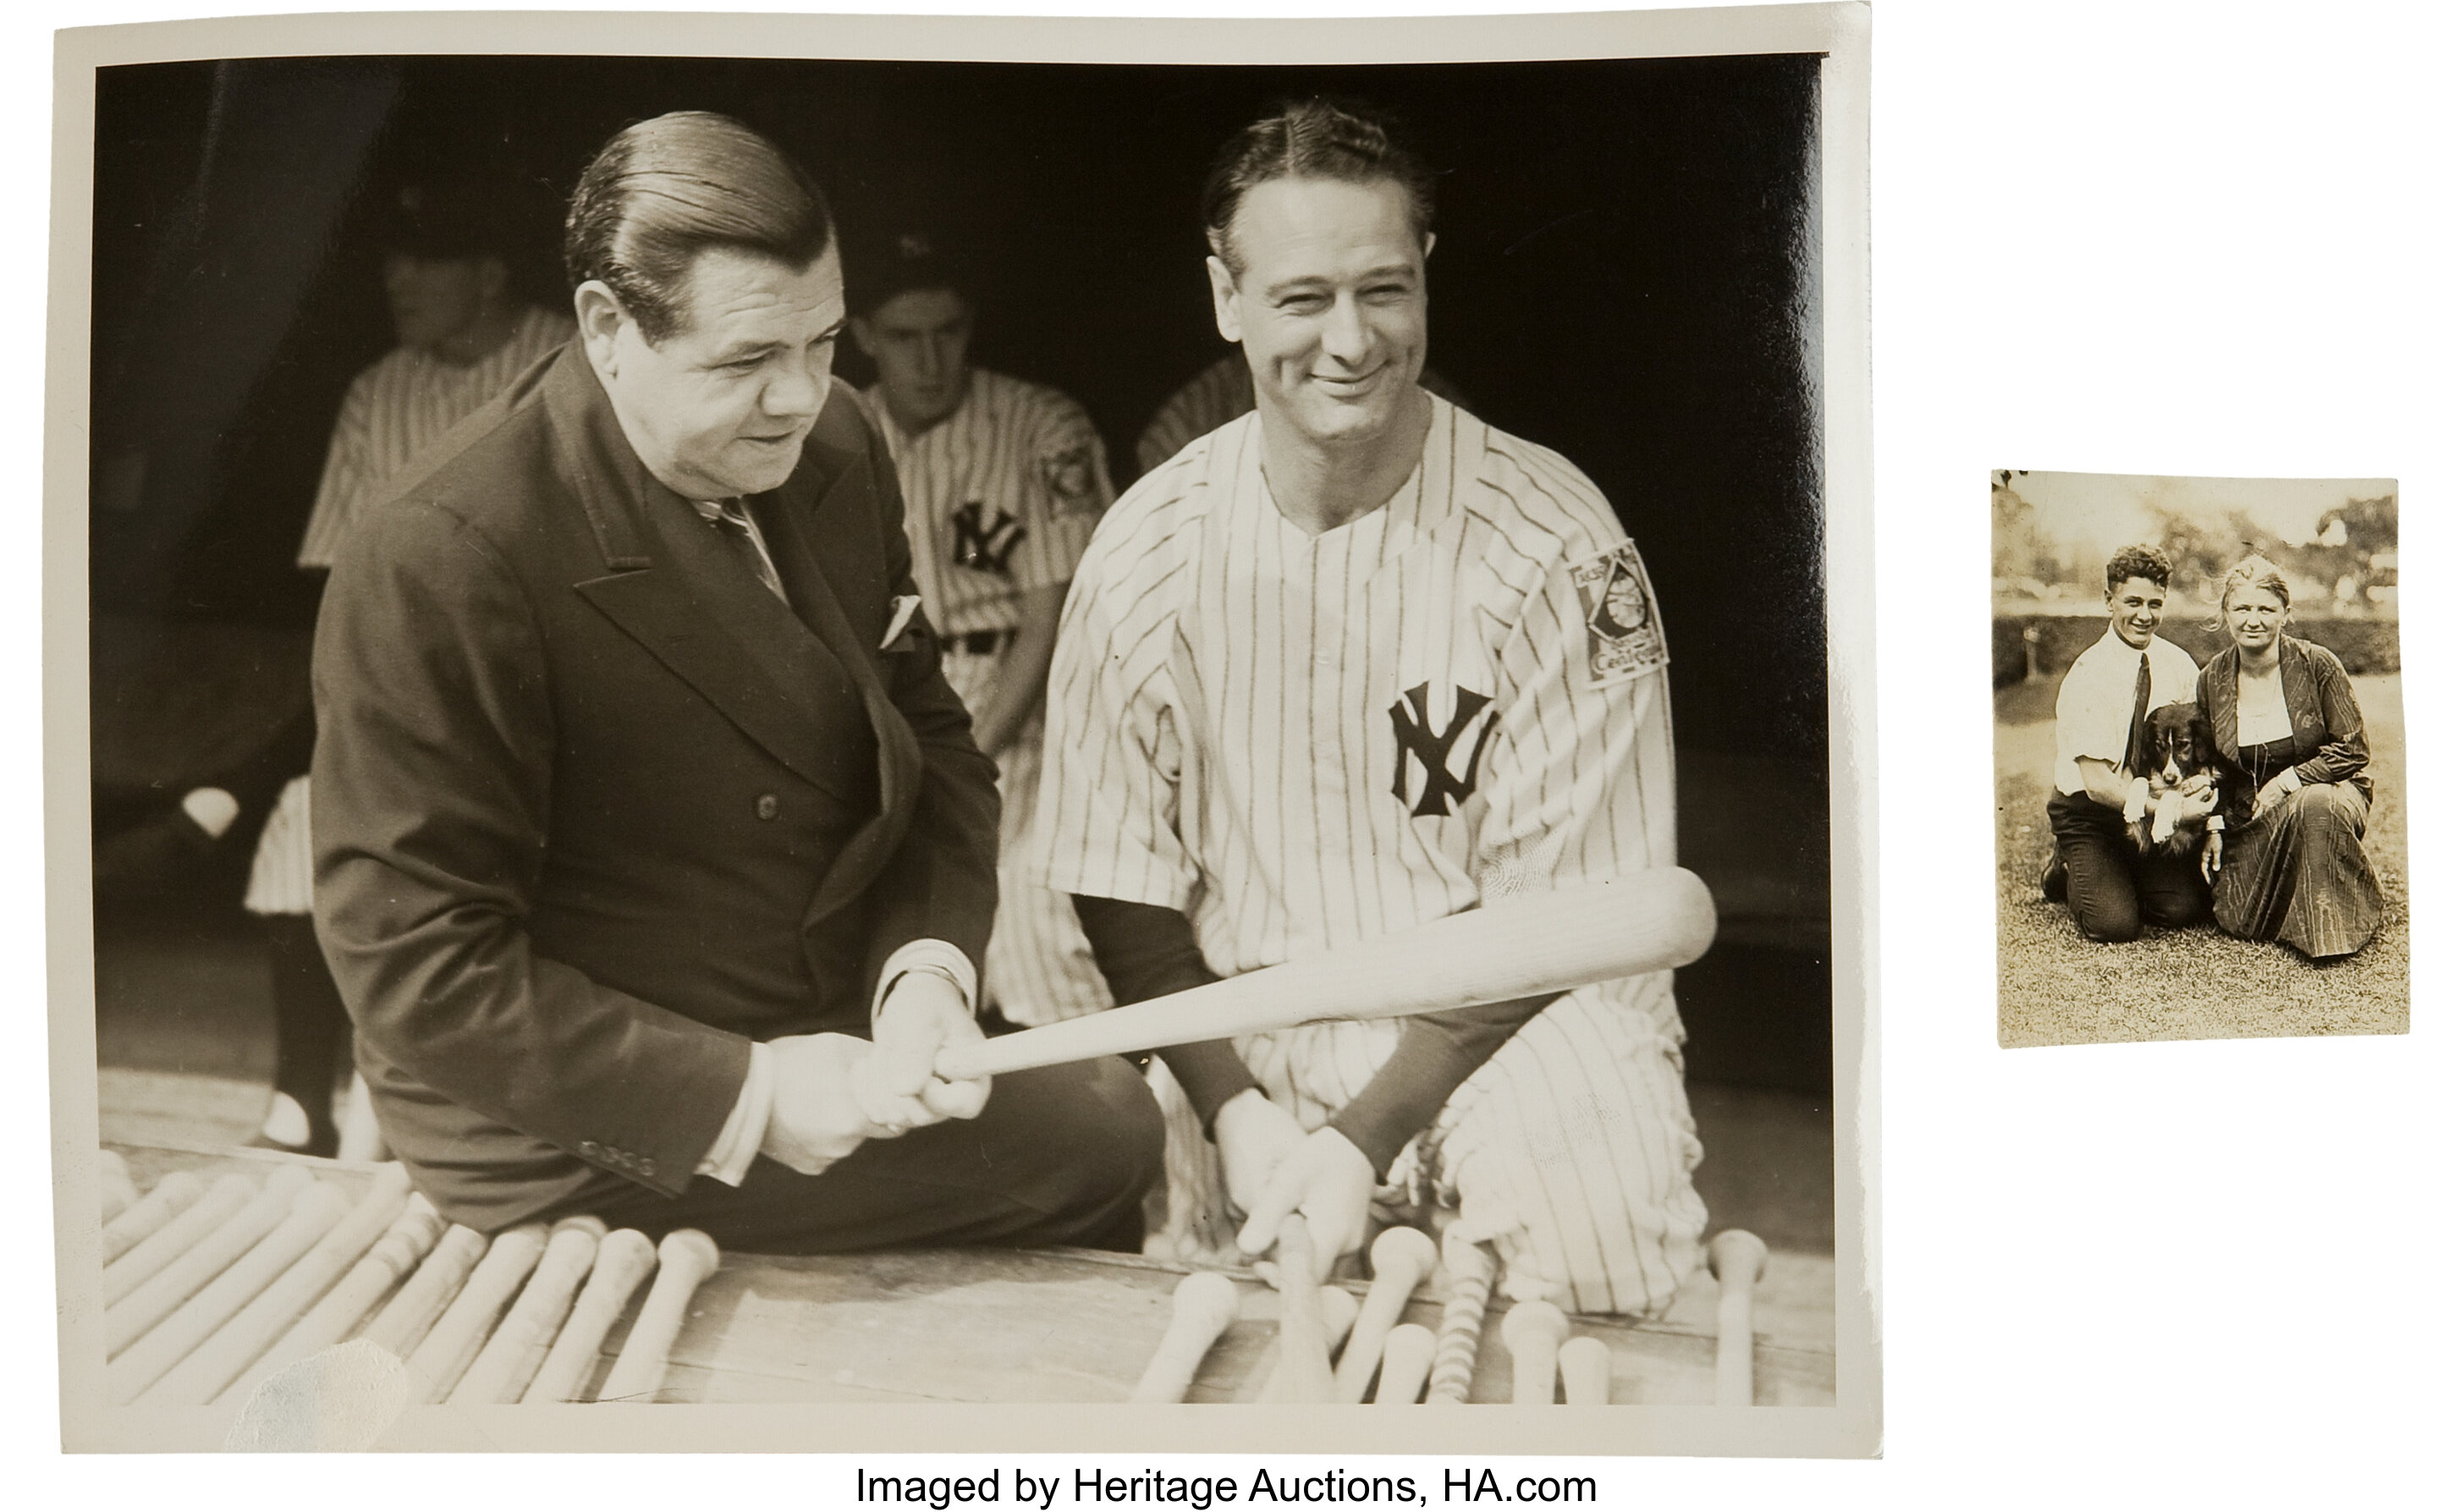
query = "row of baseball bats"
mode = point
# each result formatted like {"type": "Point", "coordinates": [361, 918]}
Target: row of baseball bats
{"type": "Point", "coordinates": [209, 1290]}
{"type": "Point", "coordinates": [1332, 1349]}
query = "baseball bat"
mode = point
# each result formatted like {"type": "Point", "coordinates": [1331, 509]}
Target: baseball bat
{"type": "Point", "coordinates": [1527, 945]}
{"type": "Point", "coordinates": [1470, 1272]}
{"type": "Point", "coordinates": [172, 1195]}
{"type": "Point", "coordinates": [1737, 1259]}
{"type": "Point", "coordinates": [402, 1323]}
{"type": "Point", "coordinates": [1585, 1367]}
{"type": "Point", "coordinates": [1336, 1311]}
{"type": "Point", "coordinates": [1204, 1305]}
{"type": "Point", "coordinates": [394, 1256]}
{"type": "Point", "coordinates": [218, 1360]}
{"type": "Point", "coordinates": [623, 1260]}
{"type": "Point", "coordinates": [1534, 1331]}
{"type": "Point", "coordinates": [456, 1337]}
{"type": "Point", "coordinates": [311, 1215]}
{"type": "Point", "coordinates": [118, 1189]}
{"type": "Point", "coordinates": [128, 1320]}
{"type": "Point", "coordinates": [1401, 1258]}
{"type": "Point", "coordinates": [1303, 1337]}
{"type": "Point", "coordinates": [503, 1368]}
{"type": "Point", "coordinates": [1405, 1360]}
{"type": "Point", "coordinates": [220, 1203]}
{"type": "Point", "coordinates": [683, 1260]}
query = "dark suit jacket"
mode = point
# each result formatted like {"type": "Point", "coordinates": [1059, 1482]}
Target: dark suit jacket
{"type": "Point", "coordinates": [2328, 737]}
{"type": "Point", "coordinates": [593, 810]}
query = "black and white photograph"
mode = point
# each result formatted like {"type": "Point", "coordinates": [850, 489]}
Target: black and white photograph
{"type": "Point", "coordinates": [2199, 757]}
{"type": "Point", "coordinates": [838, 728]}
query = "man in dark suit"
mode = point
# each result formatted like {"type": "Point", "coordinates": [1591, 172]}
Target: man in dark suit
{"type": "Point", "coordinates": [654, 857]}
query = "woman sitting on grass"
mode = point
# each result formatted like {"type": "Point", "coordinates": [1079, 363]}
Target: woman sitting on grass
{"type": "Point", "coordinates": [2287, 862]}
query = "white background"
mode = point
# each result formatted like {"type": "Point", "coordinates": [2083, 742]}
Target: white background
{"type": "Point", "coordinates": [2137, 237]}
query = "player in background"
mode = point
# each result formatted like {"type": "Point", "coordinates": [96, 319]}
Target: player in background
{"type": "Point", "coordinates": [1354, 661]}
{"type": "Point", "coordinates": [464, 335]}
{"type": "Point", "coordinates": [1003, 481]}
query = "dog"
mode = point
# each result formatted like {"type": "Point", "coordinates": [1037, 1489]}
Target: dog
{"type": "Point", "coordinates": [2180, 759]}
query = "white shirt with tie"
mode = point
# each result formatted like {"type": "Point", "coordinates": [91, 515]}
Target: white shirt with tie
{"type": "Point", "coordinates": [2091, 719]}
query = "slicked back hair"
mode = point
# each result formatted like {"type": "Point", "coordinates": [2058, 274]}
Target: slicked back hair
{"type": "Point", "coordinates": [664, 191]}
{"type": "Point", "coordinates": [2138, 561]}
{"type": "Point", "coordinates": [1315, 138]}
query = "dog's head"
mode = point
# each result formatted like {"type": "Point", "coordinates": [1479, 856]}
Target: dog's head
{"type": "Point", "coordinates": [2179, 744]}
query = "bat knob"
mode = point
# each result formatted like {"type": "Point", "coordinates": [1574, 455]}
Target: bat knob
{"type": "Point", "coordinates": [1737, 1258]}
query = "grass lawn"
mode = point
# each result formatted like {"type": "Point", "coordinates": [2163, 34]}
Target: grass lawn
{"type": "Point", "coordinates": [2060, 988]}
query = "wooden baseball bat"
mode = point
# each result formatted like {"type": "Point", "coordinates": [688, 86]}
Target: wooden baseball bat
{"type": "Point", "coordinates": [456, 1337]}
{"type": "Point", "coordinates": [1471, 1270]}
{"type": "Point", "coordinates": [311, 1215]}
{"type": "Point", "coordinates": [172, 1195]}
{"type": "Point", "coordinates": [683, 1260]}
{"type": "Point", "coordinates": [218, 1360]}
{"type": "Point", "coordinates": [503, 1368]}
{"type": "Point", "coordinates": [1405, 1360]}
{"type": "Point", "coordinates": [118, 1189]}
{"type": "Point", "coordinates": [1737, 1259]}
{"type": "Point", "coordinates": [1534, 1331]}
{"type": "Point", "coordinates": [219, 1204]}
{"type": "Point", "coordinates": [1303, 1337]}
{"type": "Point", "coordinates": [1401, 1258]}
{"type": "Point", "coordinates": [394, 1256]}
{"type": "Point", "coordinates": [128, 1320]}
{"type": "Point", "coordinates": [623, 1260]}
{"type": "Point", "coordinates": [1585, 1366]}
{"type": "Point", "coordinates": [1204, 1305]}
{"type": "Point", "coordinates": [1337, 1312]}
{"type": "Point", "coordinates": [1527, 945]}
{"type": "Point", "coordinates": [402, 1323]}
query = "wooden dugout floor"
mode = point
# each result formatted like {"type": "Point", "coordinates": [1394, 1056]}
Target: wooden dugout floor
{"type": "Point", "coordinates": [1078, 1326]}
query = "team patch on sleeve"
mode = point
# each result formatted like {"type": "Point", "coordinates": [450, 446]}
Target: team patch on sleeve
{"type": "Point", "coordinates": [1070, 477]}
{"type": "Point", "coordinates": [1622, 639]}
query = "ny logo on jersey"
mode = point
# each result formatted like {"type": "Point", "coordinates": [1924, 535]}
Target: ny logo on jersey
{"type": "Point", "coordinates": [1416, 743]}
{"type": "Point", "coordinates": [985, 544]}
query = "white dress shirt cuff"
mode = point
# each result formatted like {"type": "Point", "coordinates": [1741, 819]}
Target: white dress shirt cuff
{"type": "Point", "coordinates": [929, 955]}
{"type": "Point", "coordinates": [727, 1159]}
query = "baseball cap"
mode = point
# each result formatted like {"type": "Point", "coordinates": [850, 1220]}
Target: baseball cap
{"type": "Point", "coordinates": [884, 264]}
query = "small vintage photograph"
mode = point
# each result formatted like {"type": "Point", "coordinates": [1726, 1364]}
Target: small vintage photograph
{"type": "Point", "coordinates": [830, 729]}
{"type": "Point", "coordinates": [2199, 774]}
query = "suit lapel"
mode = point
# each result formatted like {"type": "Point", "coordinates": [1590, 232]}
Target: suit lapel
{"type": "Point", "coordinates": [679, 591]}
{"type": "Point", "coordinates": [793, 528]}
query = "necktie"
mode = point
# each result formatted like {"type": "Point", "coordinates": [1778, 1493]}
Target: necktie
{"type": "Point", "coordinates": [2134, 761]}
{"type": "Point", "coordinates": [731, 520]}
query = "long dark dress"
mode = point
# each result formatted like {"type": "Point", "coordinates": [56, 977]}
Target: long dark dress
{"type": "Point", "coordinates": [2298, 873]}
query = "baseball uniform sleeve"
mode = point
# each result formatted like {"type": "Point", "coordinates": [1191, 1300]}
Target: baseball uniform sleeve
{"type": "Point", "coordinates": [431, 794]}
{"type": "Point", "coordinates": [1110, 804]}
{"type": "Point", "coordinates": [1065, 494]}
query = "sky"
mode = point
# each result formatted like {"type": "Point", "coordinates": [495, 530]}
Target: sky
{"type": "Point", "coordinates": [2099, 512]}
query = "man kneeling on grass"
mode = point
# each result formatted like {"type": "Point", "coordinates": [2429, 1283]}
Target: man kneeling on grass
{"type": "Point", "coordinates": [2099, 740]}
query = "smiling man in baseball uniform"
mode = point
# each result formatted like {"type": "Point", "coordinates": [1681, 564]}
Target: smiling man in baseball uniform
{"type": "Point", "coordinates": [1354, 661]}
{"type": "Point", "coordinates": [1003, 481]}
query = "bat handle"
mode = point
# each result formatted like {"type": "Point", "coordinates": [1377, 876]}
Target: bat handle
{"type": "Point", "coordinates": [1303, 1337]}
{"type": "Point", "coordinates": [1534, 1331]}
{"type": "Point", "coordinates": [1585, 1369]}
{"type": "Point", "coordinates": [1205, 1305]}
{"type": "Point", "coordinates": [684, 1259]}
{"type": "Point", "coordinates": [1470, 1272]}
{"type": "Point", "coordinates": [1400, 1257]}
{"type": "Point", "coordinates": [1404, 1362]}
{"type": "Point", "coordinates": [1737, 1259]}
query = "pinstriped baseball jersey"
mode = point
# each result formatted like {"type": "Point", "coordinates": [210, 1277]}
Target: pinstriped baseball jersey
{"type": "Point", "coordinates": [1301, 742]}
{"type": "Point", "coordinates": [397, 408]}
{"type": "Point", "coordinates": [999, 498]}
